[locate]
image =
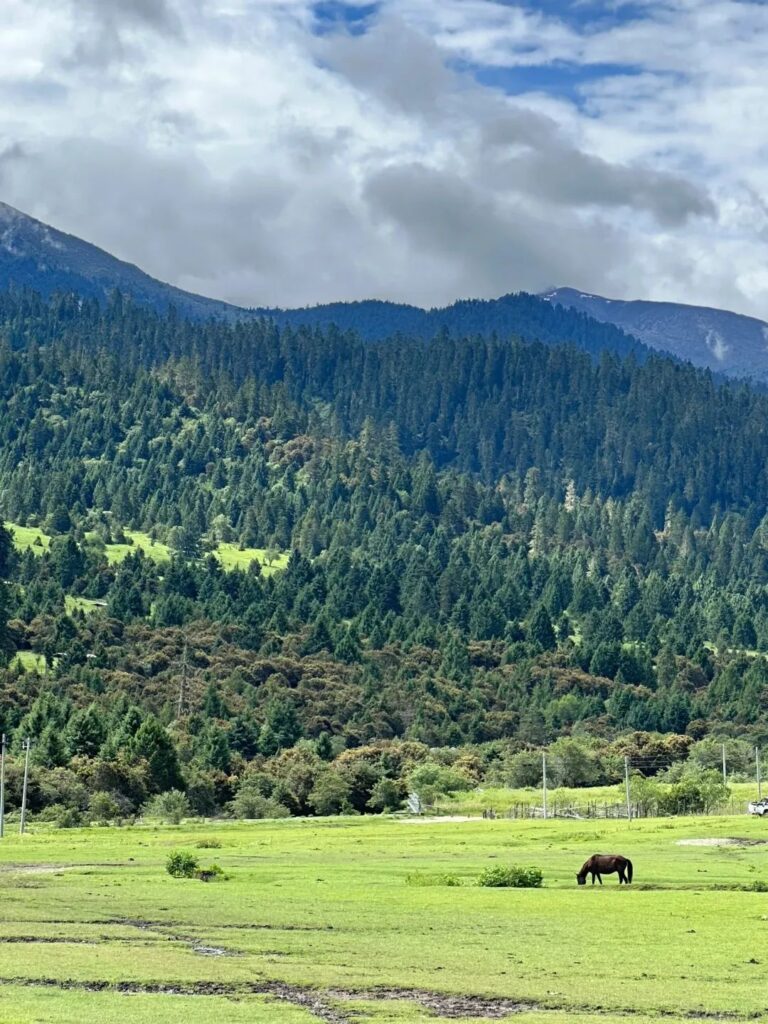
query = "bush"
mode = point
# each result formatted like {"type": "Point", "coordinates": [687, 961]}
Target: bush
{"type": "Point", "coordinates": [330, 794]}
{"type": "Point", "coordinates": [512, 877]}
{"type": "Point", "coordinates": [209, 844]}
{"type": "Point", "coordinates": [431, 781]}
{"type": "Point", "coordinates": [69, 817]}
{"type": "Point", "coordinates": [386, 795]}
{"type": "Point", "coordinates": [172, 807]}
{"type": "Point", "coordinates": [249, 803]}
{"type": "Point", "coordinates": [426, 880]}
{"type": "Point", "coordinates": [181, 864]}
{"type": "Point", "coordinates": [103, 808]}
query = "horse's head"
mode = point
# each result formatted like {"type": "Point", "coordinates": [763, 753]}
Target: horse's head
{"type": "Point", "coordinates": [581, 879]}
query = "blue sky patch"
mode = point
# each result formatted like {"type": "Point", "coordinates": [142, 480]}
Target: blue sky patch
{"type": "Point", "coordinates": [587, 15]}
{"type": "Point", "coordinates": [332, 15]}
{"type": "Point", "coordinates": [560, 79]}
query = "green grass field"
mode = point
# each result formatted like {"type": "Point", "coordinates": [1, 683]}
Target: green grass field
{"type": "Point", "coordinates": [230, 555]}
{"type": "Point", "coordinates": [139, 541]}
{"type": "Point", "coordinates": [317, 921]}
{"type": "Point", "coordinates": [233, 557]}
{"type": "Point", "coordinates": [30, 661]}
{"type": "Point", "coordinates": [25, 537]}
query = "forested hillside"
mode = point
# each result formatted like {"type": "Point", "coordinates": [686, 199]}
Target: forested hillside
{"type": "Point", "coordinates": [527, 316]}
{"type": "Point", "coordinates": [277, 565]}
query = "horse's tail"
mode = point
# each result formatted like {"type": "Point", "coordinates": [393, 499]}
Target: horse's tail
{"type": "Point", "coordinates": [629, 870]}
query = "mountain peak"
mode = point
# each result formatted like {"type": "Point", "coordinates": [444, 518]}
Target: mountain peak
{"type": "Point", "coordinates": [719, 339]}
{"type": "Point", "coordinates": [35, 255]}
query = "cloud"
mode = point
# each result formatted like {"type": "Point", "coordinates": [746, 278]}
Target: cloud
{"type": "Point", "coordinates": [265, 152]}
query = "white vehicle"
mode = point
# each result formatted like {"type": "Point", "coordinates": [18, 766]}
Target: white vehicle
{"type": "Point", "coordinates": [759, 807]}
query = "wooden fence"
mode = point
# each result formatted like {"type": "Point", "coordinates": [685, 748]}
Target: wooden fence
{"type": "Point", "coordinates": [598, 809]}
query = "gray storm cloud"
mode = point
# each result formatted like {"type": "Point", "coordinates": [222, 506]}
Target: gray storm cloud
{"type": "Point", "coordinates": [232, 150]}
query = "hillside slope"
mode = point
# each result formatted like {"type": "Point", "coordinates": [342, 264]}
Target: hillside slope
{"type": "Point", "coordinates": [34, 255]}
{"type": "Point", "coordinates": [492, 543]}
{"type": "Point", "coordinates": [37, 256]}
{"type": "Point", "coordinates": [723, 341]}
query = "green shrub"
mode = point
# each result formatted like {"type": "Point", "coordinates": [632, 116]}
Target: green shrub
{"type": "Point", "coordinates": [104, 808]}
{"type": "Point", "coordinates": [209, 844]}
{"type": "Point", "coordinates": [69, 817]}
{"type": "Point", "coordinates": [171, 806]}
{"type": "Point", "coordinates": [249, 803]}
{"type": "Point", "coordinates": [386, 795]}
{"type": "Point", "coordinates": [512, 877]}
{"type": "Point", "coordinates": [432, 780]}
{"type": "Point", "coordinates": [181, 864]}
{"type": "Point", "coordinates": [426, 880]}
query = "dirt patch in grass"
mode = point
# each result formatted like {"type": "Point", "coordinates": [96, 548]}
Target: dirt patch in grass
{"type": "Point", "coordinates": [55, 869]}
{"type": "Point", "coordinates": [445, 819]}
{"type": "Point", "coordinates": [324, 1005]}
{"type": "Point", "coordinates": [722, 841]}
{"type": "Point", "coordinates": [442, 1004]}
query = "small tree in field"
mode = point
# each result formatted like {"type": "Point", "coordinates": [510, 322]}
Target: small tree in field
{"type": "Point", "coordinates": [172, 807]}
{"type": "Point", "coordinates": [181, 864]}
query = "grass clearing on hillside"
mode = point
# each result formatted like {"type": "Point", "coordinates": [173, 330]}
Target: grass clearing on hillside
{"type": "Point", "coordinates": [233, 557]}
{"type": "Point", "coordinates": [116, 553]}
{"type": "Point", "coordinates": [30, 661]}
{"type": "Point", "coordinates": [29, 537]}
{"type": "Point", "coordinates": [317, 918]}
{"type": "Point", "coordinates": [82, 604]}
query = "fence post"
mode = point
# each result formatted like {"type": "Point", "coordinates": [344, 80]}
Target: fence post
{"type": "Point", "coordinates": [544, 782]}
{"type": "Point", "coordinates": [757, 771]}
{"type": "Point", "coordinates": [23, 819]}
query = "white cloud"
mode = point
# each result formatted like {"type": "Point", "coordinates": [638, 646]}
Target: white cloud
{"type": "Point", "coordinates": [228, 147]}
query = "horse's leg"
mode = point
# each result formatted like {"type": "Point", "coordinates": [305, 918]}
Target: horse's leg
{"type": "Point", "coordinates": [600, 878]}
{"type": "Point", "coordinates": [622, 879]}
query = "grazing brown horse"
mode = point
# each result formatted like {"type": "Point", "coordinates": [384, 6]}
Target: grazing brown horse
{"type": "Point", "coordinates": [605, 864]}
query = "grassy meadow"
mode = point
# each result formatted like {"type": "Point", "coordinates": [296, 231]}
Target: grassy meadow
{"type": "Point", "coordinates": [229, 555]}
{"type": "Point", "coordinates": [350, 920]}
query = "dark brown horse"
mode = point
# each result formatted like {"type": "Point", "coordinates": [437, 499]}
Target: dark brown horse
{"type": "Point", "coordinates": [605, 864]}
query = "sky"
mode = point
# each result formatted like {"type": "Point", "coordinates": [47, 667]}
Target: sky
{"type": "Point", "coordinates": [288, 153]}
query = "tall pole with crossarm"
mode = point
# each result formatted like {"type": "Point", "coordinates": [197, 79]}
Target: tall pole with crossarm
{"type": "Point", "coordinates": [2, 787]}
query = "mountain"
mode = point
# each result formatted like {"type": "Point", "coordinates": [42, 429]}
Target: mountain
{"type": "Point", "coordinates": [34, 255]}
{"type": "Point", "coordinates": [275, 568]}
{"type": "Point", "coordinates": [516, 315]}
{"type": "Point", "coordinates": [720, 340]}
{"type": "Point", "coordinates": [39, 257]}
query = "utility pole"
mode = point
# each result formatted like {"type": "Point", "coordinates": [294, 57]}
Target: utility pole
{"type": "Point", "coordinates": [23, 821]}
{"type": "Point", "coordinates": [2, 787]}
{"type": "Point", "coordinates": [182, 682]}
{"type": "Point", "coordinates": [626, 786]}
{"type": "Point", "coordinates": [757, 772]}
{"type": "Point", "coordinates": [725, 773]}
{"type": "Point", "coordinates": [544, 782]}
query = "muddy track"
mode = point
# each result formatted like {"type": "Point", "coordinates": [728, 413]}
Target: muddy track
{"type": "Point", "coordinates": [324, 1004]}
{"type": "Point", "coordinates": [309, 999]}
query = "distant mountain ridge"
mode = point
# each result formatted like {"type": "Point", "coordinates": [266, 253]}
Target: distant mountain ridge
{"type": "Point", "coordinates": [519, 314]}
{"type": "Point", "coordinates": [726, 342]}
{"type": "Point", "coordinates": [34, 255]}
{"type": "Point", "coordinates": [37, 256]}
